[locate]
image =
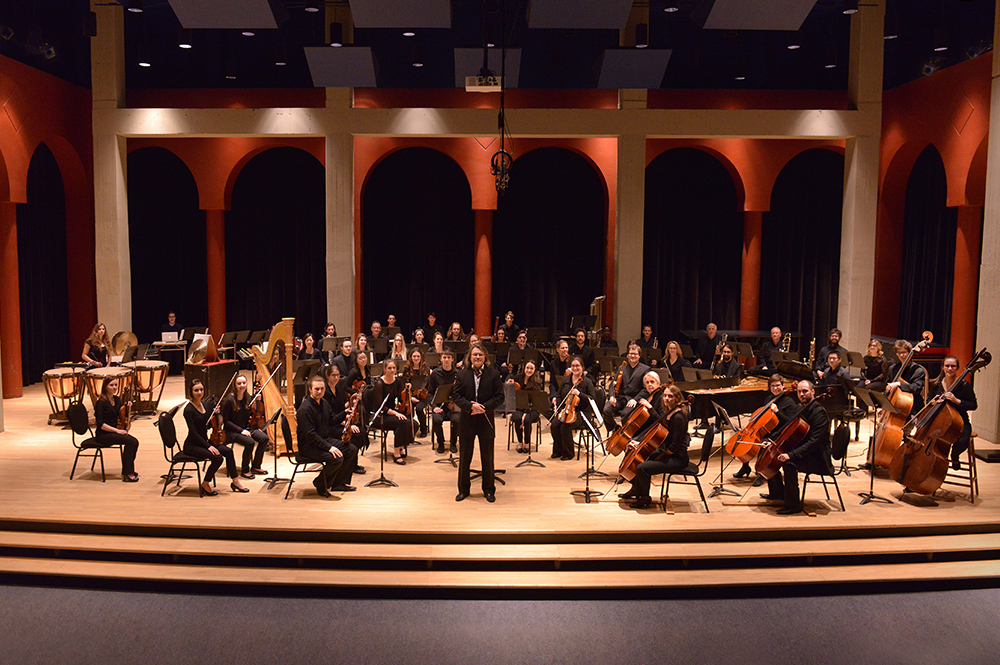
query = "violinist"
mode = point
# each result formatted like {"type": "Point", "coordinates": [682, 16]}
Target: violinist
{"type": "Point", "coordinates": [97, 347]}
{"type": "Point", "coordinates": [822, 362]}
{"type": "Point", "coordinates": [432, 326]}
{"type": "Point", "coordinates": [912, 378]}
{"type": "Point", "coordinates": [339, 391]}
{"type": "Point", "coordinates": [109, 423]}
{"type": "Point", "coordinates": [309, 350]}
{"type": "Point", "coordinates": [705, 345]}
{"type": "Point", "coordinates": [236, 421]}
{"type": "Point", "coordinates": [415, 367]}
{"type": "Point", "coordinates": [345, 359]}
{"type": "Point", "coordinates": [766, 352]}
{"type": "Point", "coordinates": [728, 366]}
{"type": "Point", "coordinates": [360, 370]}
{"type": "Point", "coordinates": [628, 384]}
{"type": "Point", "coordinates": [607, 341]}
{"type": "Point", "coordinates": [510, 330]}
{"type": "Point", "coordinates": [576, 385]}
{"type": "Point", "coordinates": [398, 351]}
{"type": "Point", "coordinates": [333, 393]}
{"type": "Point", "coordinates": [528, 379]}
{"type": "Point", "coordinates": [478, 391]}
{"type": "Point", "coordinates": [675, 362]}
{"type": "Point", "coordinates": [198, 445]}
{"type": "Point", "coordinates": [876, 367]}
{"type": "Point", "coordinates": [340, 409]}
{"type": "Point", "coordinates": [580, 348]}
{"type": "Point", "coordinates": [560, 368]}
{"type": "Point", "coordinates": [947, 387]}
{"type": "Point", "coordinates": [501, 363]}
{"type": "Point", "coordinates": [442, 376]}
{"type": "Point", "coordinates": [785, 407]}
{"type": "Point", "coordinates": [391, 417]}
{"type": "Point", "coordinates": [835, 371]}
{"type": "Point", "coordinates": [317, 443]}
{"type": "Point", "coordinates": [671, 456]}
{"type": "Point", "coordinates": [376, 334]}
{"type": "Point", "coordinates": [812, 455]}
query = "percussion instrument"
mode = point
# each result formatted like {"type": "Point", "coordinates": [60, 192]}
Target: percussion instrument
{"type": "Point", "coordinates": [150, 377]}
{"type": "Point", "coordinates": [62, 386]}
{"type": "Point", "coordinates": [122, 341]}
{"type": "Point", "coordinates": [95, 379]}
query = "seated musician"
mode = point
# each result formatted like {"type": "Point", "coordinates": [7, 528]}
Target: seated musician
{"type": "Point", "coordinates": [455, 333]}
{"type": "Point", "coordinates": [107, 411]}
{"type": "Point", "coordinates": [418, 336]}
{"type": "Point", "coordinates": [559, 368]}
{"type": "Point", "coordinates": [961, 396]}
{"type": "Point", "coordinates": [580, 348]}
{"type": "Point", "coordinates": [415, 367]}
{"type": "Point", "coordinates": [236, 421]}
{"type": "Point", "coordinates": [339, 395]}
{"type": "Point", "coordinates": [500, 336]}
{"type": "Point", "coordinates": [398, 350]}
{"type": "Point", "coordinates": [728, 366]}
{"type": "Point", "coordinates": [912, 378]}
{"type": "Point", "coordinates": [360, 370]}
{"type": "Point", "coordinates": [812, 455]}
{"type": "Point", "coordinates": [705, 345]}
{"type": "Point", "coordinates": [389, 391]}
{"type": "Point", "coordinates": [822, 361]}
{"type": "Point", "coordinates": [670, 456]}
{"type": "Point", "coordinates": [345, 359]}
{"type": "Point", "coordinates": [646, 340]}
{"type": "Point", "coordinates": [785, 407]}
{"type": "Point", "coordinates": [376, 331]}
{"type": "Point", "coordinates": [316, 441]}
{"type": "Point", "coordinates": [199, 445]}
{"type": "Point", "coordinates": [390, 321]}
{"type": "Point", "coordinates": [339, 390]}
{"type": "Point", "coordinates": [508, 327]}
{"type": "Point", "coordinates": [607, 341]}
{"type": "Point", "coordinates": [835, 371]}
{"type": "Point", "coordinates": [473, 339]}
{"type": "Point", "coordinates": [622, 399]}
{"type": "Point", "coordinates": [649, 398]}
{"type": "Point", "coordinates": [330, 329]}
{"type": "Point", "coordinates": [767, 349]}
{"type": "Point", "coordinates": [579, 385]}
{"type": "Point", "coordinates": [675, 362]}
{"type": "Point", "coordinates": [437, 343]}
{"type": "Point", "coordinates": [171, 325]}
{"type": "Point", "coordinates": [432, 327]}
{"type": "Point", "coordinates": [97, 347]}
{"type": "Point", "coordinates": [876, 367]}
{"type": "Point", "coordinates": [443, 375]}
{"type": "Point", "coordinates": [528, 379]}
{"type": "Point", "coordinates": [309, 350]}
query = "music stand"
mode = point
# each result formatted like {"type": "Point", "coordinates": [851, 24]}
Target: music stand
{"type": "Point", "coordinates": [586, 492]}
{"type": "Point", "coordinates": [441, 398]}
{"type": "Point", "coordinates": [649, 356]}
{"type": "Point", "coordinates": [527, 400]}
{"type": "Point", "coordinates": [432, 359]}
{"type": "Point", "coordinates": [390, 331]}
{"type": "Point", "coordinates": [275, 479]}
{"type": "Point", "coordinates": [379, 345]}
{"type": "Point", "coordinates": [721, 488]}
{"type": "Point", "coordinates": [381, 480]}
{"type": "Point", "coordinates": [875, 400]}
{"type": "Point", "coordinates": [536, 335]}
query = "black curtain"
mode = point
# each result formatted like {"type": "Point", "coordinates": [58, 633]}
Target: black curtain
{"type": "Point", "coordinates": [166, 243]}
{"type": "Point", "coordinates": [929, 230]}
{"type": "Point", "coordinates": [800, 249]}
{"type": "Point", "coordinates": [692, 246]}
{"type": "Point", "coordinates": [549, 236]}
{"type": "Point", "coordinates": [418, 234]}
{"type": "Point", "coordinates": [41, 263]}
{"type": "Point", "coordinates": [276, 243]}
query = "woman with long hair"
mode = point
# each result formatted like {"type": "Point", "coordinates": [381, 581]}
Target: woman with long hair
{"type": "Point", "coordinates": [107, 421]}
{"type": "Point", "coordinates": [97, 347]}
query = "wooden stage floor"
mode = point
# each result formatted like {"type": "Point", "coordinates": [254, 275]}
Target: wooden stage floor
{"type": "Point", "coordinates": [419, 522]}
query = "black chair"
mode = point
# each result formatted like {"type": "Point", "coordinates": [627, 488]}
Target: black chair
{"type": "Point", "coordinates": [79, 421]}
{"type": "Point", "coordinates": [692, 474]}
{"type": "Point", "coordinates": [172, 452]}
{"type": "Point", "coordinates": [841, 437]}
{"type": "Point", "coordinates": [297, 464]}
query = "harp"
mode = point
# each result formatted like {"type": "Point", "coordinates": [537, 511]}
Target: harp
{"type": "Point", "coordinates": [279, 344]}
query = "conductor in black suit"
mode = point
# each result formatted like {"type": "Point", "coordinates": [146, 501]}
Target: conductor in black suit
{"type": "Point", "coordinates": [477, 392]}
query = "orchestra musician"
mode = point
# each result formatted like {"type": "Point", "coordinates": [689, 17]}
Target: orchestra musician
{"type": "Point", "coordinates": [675, 362]}
{"type": "Point", "coordinates": [728, 366]}
{"type": "Point", "coordinates": [528, 379]}
{"type": "Point", "coordinates": [912, 378]}
{"type": "Point", "coordinates": [812, 455]}
{"type": "Point", "coordinates": [360, 370]}
{"type": "Point", "coordinates": [645, 340]}
{"type": "Point", "coordinates": [580, 348]}
{"type": "Point", "coordinates": [437, 343]}
{"type": "Point", "coordinates": [171, 325]}
{"type": "Point", "coordinates": [768, 348]}
{"type": "Point", "coordinates": [390, 321]}
{"type": "Point", "coordinates": [560, 368]}
{"type": "Point", "coordinates": [432, 326]}
{"type": "Point", "coordinates": [822, 361]}
{"type": "Point", "coordinates": [455, 333]}
{"type": "Point", "coordinates": [876, 367]}
{"type": "Point", "coordinates": [309, 350]}
{"type": "Point", "coordinates": [418, 336]}
{"type": "Point", "coordinates": [316, 441]}
{"type": "Point", "coordinates": [478, 391]}
{"type": "Point", "coordinates": [198, 445]}
{"type": "Point", "coordinates": [785, 407]}
{"type": "Point", "coordinates": [415, 367]}
{"type": "Point", "coordinates": [236, 421]}
{"type": "Point", "coordinates": [510, 330]}
{"type": "Point", "coordinates": [500, 336]}
{"type": "Point", "coordinates": [398, 350]}
{"type": "Point", "coordinates": [577, 384]}
{"type": "Point", "coordinates": [362, 348]}
{"type": "Point", "coordinates": [607, 341]}
{"type": "Point", "coordinates": [107, 412]}
{"type": "Point", "coordinates": [622, 399]}
{"type": "Point", "coordinates": [97, 347]}
{"type": "Point", "coordinates": [330, 329]}
{"type": "Point", "coordinates": [671, 456]}
{"type": "Point", "coordinates": [705, 346]}
{"type": "Point", "coordinates": [442, 376]}
{"type": "Point", "coordinates": [376, 331]}
{"type": "Point", "coordinates": [961, 396]}
{"type": "Point", "coordinates": [391, 418]}
{"type": "Point", "coordinates": [344, 360]}
{"type": "Point", "coordinates": [835, 371]}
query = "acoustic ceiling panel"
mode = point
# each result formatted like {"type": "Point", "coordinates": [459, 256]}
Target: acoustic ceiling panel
{"type": "Point", "coordinates": [759, 14]}
{"type": "Point", "coordinates": [634, 68]}
{"type": "Point", "coordinates": [579, 14]}
{"type": "Point", "coordinates": [468, 62]}
{"type": "Point", "coordinates": [401, 13]}
{"type": "Point", "coordinates": [348, 67]}
{"type": "Point", "coordinates": [224, 14]}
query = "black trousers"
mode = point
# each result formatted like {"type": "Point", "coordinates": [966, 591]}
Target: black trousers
{"type": "Point", "coordinates": [437, 427]}
{"type": "Point", "coordinates": [130, 445]}
{"type": "Point", "coordinates": [402, 430]}
{"type": "Point", "coordinates": [644, 472]}
{"type": "Point", "coordinates": [257, 438]}
{"type": "Point", "coordinates": [331, 465]}
{"type": "Point", "coordinates": [788, 486]}
{"type": "Point", "coordinates": [523, 431]}
{"type": "Point", "coordinates": [471, 427]}
{"type": "Point", "coordinates": [214, 461]}
{"type": "Point", "coordinates": [562, 437]}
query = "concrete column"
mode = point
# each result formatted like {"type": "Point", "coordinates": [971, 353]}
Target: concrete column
{"type": "Point", "coordinates": [986, 419]}
{"type": "Point", "coordinates": [965, 294]}
{"type": "Point", "coordinates": [10, 303]}
{"type": "Point", "coordinates": [861, 170]}
{"type": "Point", "coordinates": [215, 235]}
{"type": "Point", "coordinates": [340, 241]}
{"type": "Point", "coordinates": [753, 229]}
{"type": "Point", "coordinates": [628, 237]}
{"type": "Point", "coordinates": [483, 287]}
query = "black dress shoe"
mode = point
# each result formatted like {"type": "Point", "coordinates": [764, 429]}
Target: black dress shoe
{"type": "Point", "coordinates": [758, 481]}
{"type": "Point", "coordinates": [206, 492]}
{"type": "Point", "coordinates": [360, 470]}
{"type": "Point", "coordinates": [453, 448]}
{"type": "Point", "coordinates": [641, 502]}
{"type": "Point", "coordinates": [772, 498]}
{"type": "Point", "coordinates": [343, 488]}
{"type": "Point", "coordinates": [440, 448]}
{"type": "Point", "coordinates": [236, 488]}
{"type": "Point", "coordinates": [320, 486]}
{"type": "Point", "coordinates": [743, 472]}
{"type": "Point", "coordinates": [247, 475]}
{"type": "Point", "coordinates": [956, 463]}
{"type": "Point", "coordinates": [491, 498]}
{"type": "Point", "coordinates": [461, 496]}
{"type": "Point", "coordinates": [257, 471]}
{"type": "Point", "coordinates": [566, 457]}
{"type": "Point", "coordinates": [555, 455]}
{"type": "Point", "coordinates": [398, 460]}
{"type": "Point", "coordinates": [628, 495]}
{"type": "Point", "coordinates": [790, 510]}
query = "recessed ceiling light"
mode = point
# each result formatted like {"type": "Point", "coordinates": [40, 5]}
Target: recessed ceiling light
{"type": "Point", "coordinates": [794, 47]}
{"type": "Point", "coordinates": [312, 6]}
{"type": "Point", "coordinates": [741, 78]}
{"type": "Point", "coordinates": [409, 33]}
{"type": "Point", "coordinates": [418, 64]}
{"type": "Point", "coordinates": [280, 63]}
{"type": "Point", "coordinates": [248, 33]}
{"type": "Point", "coordinates": [830, 66]}
{"type": "Point", "coordinates": [230, 77]}
{"type": "Point", "coordinates": [143, 63]}
{"type": "Point", "coordinates": [135, 6]}
{"type": "Point", "coordinates": [670, 9]}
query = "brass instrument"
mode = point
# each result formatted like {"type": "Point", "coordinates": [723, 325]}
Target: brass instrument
{"type": "Point", "coordinates": [273, 399]}
{"type": "Point", "coordinates": [718, 351]}
{"type": "Point", "coordinates": [786, 343]}
{"type": "Point", "coordinates": [812, 352]}
{"type": "Point", "coordinates": [596, 310]}
{"type": "Point", "coordinates": [656, 342]}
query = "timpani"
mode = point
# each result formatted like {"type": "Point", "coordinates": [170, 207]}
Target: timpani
{"type": "Point", "coordinates": [62, 387]}
{"type": "Point", "coordinates": [95, 379]}
{"type": "Point", "coordinates": [150, 377]}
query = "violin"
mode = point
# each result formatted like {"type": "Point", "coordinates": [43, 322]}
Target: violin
{"type": "Point", "coordinates": [125, 416]}
{"type": "Point", "coordinates": [620, 378]}
{"type": "Point", "coordinates": [567, 413]}
{"type": "Point", "coordinates": [889, 429]}
{"type": "Point", "coordinates": [354, 413]}
{"type": "Point", "coordinates": [218, 435]}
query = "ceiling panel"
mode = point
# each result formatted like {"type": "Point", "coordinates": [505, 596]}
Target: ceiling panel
{"type": "Point", "coordinates": [223, 14]}
{"type": "Point", "coordinates": [759, 14]}
{"type": "Point", "coordinates": [349, 67]}
{"type": "Point", "coordinates": [633, 68]}
{"type": "Point", "coordinates": [401, 13]}
{"type": "Point", "coordinates": [579, 14]}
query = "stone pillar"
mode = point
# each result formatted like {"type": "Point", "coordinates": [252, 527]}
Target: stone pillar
{"type": "Point", "coordinates": [965, 294]}
{"type": "Point", "coordinates": [483, 286]}
{"type": "Point", "coordinates": [753, 228]}
{"type": "Point", "coordinates": [628, 237]}
{"type": "Point", "coordinates": [340, 241]}
{"type": "Point", "coordinates": [215, 236]}
{"type": "Point", "coordinates": [10, 303]}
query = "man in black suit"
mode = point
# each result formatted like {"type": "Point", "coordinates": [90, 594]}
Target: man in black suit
{"type": "Point", "coordinates": [580, 348]}
{"type": "Point", "coordinates": [345, 359]}
{"type": "Point", "coordinates": [478, 391]}
{"type": "Point", "coordinates": [622, 401]}
{"type": "Point", "coordinates": [317, 443]}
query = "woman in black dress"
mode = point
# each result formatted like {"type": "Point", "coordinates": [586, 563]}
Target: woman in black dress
{"type": "Point", "coordinates": [675, 362]}
{"type": "Point", "coordinates": [106, 419]}
{"type": "Point", "coordinates": [389, 390]}
{"type": "Point", "coordinates": [236, 421]}
{"type": "Point", "coordinates": [97, 347]}
{"type": "Point", "coordinates": [529, 379]}
{"type": "Point", "coordinates": [309, 350]}
{"type": "Point", "coordinates": [876, 367]}
{"type": "Point", "coordinates": [198, 445]}
{"type": "Point", "coordinates": [577, 384]}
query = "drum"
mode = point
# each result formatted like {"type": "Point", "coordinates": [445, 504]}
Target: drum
{"type": "Point", "coordinates": [150, 377]}
{"type": "Point", "coordinates": [62, 386]}
{"type": "Point", "coordinates": [95, 378]}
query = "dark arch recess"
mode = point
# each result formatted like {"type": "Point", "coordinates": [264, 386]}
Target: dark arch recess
{"type": "Point", "coordinates": [276, 243]}
{"type": "Point", "coordinates": [417, 234]}
{"type": "Point", "coordinates": [41, 261]}
{"type": "Point", "coordinates": [166, 243]}
{"type": "Point", "coordinates": [692, 246]}
{"type": "Point", "coordinates": [800, 249]}
{"type": "Point", "coordinates": [549, 236]}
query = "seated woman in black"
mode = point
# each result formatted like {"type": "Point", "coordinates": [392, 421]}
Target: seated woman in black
{"type": "Point", "coordinates": [236, 421]}
{"type": "Point", "coordinates": [198, 445]}
{"type": "Point", "coordinates": [672, 454]}
{"type": "Point", "coordinates": [961, 396]}
{"type": "Point", "coordinates": [106, 418]}
{"type": "Point", "coordinates": [675, 362]}
{"type": "Point", "coordinates": [529, 379]}
{"type": "Point", "coordinates": [309, 350]}
{"type": "Point", "coordinates": [416, 367]}
{"type": "Point", "coordinates": [389, 391]}
{"type": "Point", "coordinates": [577, 384]}
{"type": "Point", "coordinates": [876, 367]}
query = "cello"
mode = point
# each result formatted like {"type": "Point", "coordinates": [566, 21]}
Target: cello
{"type": "Point", "coordinates": [618, 441]}
{"type": "Point", "coordinates": [641, 450]}
{"type": "Point", "coordinates": [920, 464]}
{"type": "Point", "coordinates": [789, 439]}
{"type": "Point", "coordinates": [889, 429]}
{"type": "Point", "coordinates": [746, 443]}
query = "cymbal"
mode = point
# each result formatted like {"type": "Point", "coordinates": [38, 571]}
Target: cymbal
{"type": "Point", "coordinates": [122, 340]}
{"type": "Point", "coordinates": [198, 351]}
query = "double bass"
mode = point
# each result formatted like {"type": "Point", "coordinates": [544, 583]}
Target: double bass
{"type": "Point", "coordinates": [921, 463]}
{"type": "Point", "coordinates": [889, 429]}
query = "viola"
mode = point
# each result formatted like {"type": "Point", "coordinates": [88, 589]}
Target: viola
{"type": "Point", "coordinates": [745, 444]}
{"type": "Point", "coordinates": [125, 416]}
{"type": "Point", "coordinates": [405, 405]}
{"type": "Point", "coordinates": [889, 429]}
{"type": "Point", "coordinates": [617, 442]}
{"type": "Point", "coordinates": [568, 413]}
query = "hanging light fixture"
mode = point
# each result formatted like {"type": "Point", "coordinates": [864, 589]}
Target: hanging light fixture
{"type": "Point", "coordinates": [641, 35]}
{"type": "Point", "coordinates": [336, 34]}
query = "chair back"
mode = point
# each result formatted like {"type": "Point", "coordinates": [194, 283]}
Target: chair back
{"type": "Point", "coordinates": [286, 435]}
{"type": "Point", "coordinates": [78, 419]}
{"type": "Point", "coordinates": [168, 433]}
{"type": "Point", "coordinates": [841, 438]}
{"type": "Point", "coordinates": [706, 449]}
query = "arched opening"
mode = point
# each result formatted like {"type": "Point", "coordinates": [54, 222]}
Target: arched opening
{"type": "Point", "coordinates": [42, 275]}
{"type": "Point", "coordinates": [928, 261]}
{"type": "Point", "coordinates": [800, 247]}
{"type": "Point", "coordinates": [549, 235]}
{"type": "Point", "coordinates": [166, 243]}
{"type": "Point", "coordinates": [417, 233]}
{"type": "Point", "coordinates": [692, 245]}
{"type": "Point", "coordinates": [276, 243]}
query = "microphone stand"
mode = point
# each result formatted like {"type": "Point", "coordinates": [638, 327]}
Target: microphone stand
{"type": "Point", "coordinates": [381, 480]}
{"type": "Point", "coordinates": [721, 487]}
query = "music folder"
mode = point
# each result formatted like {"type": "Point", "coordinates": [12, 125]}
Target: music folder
{"type": "Point", "coordinates": [443, 394]}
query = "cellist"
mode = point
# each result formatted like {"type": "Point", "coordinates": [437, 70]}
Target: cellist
{"type": "Point", "coordinates": [627, 386]}
{"type": "Point", "coordinates": [578, 385]}
{"type": "Point", "coordinates": [785, 407]}
{"type": "Point", "coordinates": [961, 396]}
{"type": "Point", "coordinates": [672, 454]}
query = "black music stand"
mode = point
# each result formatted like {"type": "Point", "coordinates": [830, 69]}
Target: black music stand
{"type": "Point", "coordinates": [538, 335]}
{"type": "Point", "coordinates": [381, 480]}
{"type": "Point", "coordinates": [875, 400]}
{"type": "Point", "coordinates": [380, 346]}
{"type": "Point", "coordinates": [275, 479]}
{"type": "Point", "coordinates": [441, 398]}
{"type": "Point", "coordinates": [586, 492]}
{"type": "Point", "coordinates": [526, 400]}
{"type": "Point", "coordinates": [721, 488]}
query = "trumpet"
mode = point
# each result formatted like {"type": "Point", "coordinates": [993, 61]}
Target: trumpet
{"type": "Point", "coordinates": [718, 351]}
{"type": "Point", "coordinates": [786, 343]}
{"type": "Point", "coordinates": [812, 351]}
